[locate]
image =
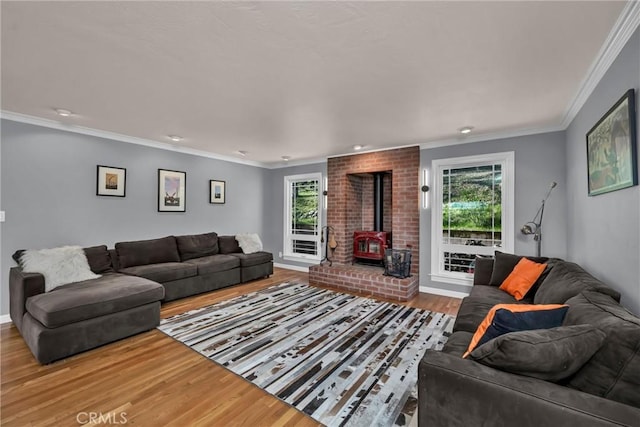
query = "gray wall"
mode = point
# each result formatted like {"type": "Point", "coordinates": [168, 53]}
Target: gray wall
{"type": "Point", "coordinates": [604, 231]}
{"type": "Point", "coordinates": [273, 187]}
{"type": "Point", "coordinates": [539, 160]}
{"type": "Point", "coordinates": [49, 186]}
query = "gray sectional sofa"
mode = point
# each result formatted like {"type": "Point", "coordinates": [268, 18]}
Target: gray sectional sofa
{"type": "Point", "coordinates": [604, 391]}
{"type": "Point", "coordinates": [135, 278]}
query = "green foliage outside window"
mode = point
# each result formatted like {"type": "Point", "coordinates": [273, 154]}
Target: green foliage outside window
{"type": "Point", "coordinates": [305, 205]}
{"type": "Point", "coordinates": [472, 199]}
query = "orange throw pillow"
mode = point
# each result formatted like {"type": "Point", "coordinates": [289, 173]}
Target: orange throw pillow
{"type": "Point", "coordinates": [522, 278]}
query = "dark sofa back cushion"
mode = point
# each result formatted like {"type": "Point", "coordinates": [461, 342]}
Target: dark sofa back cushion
{"type": "Point", "coordinates": [99, 259]}
{"type": "Point", "coordinates": [566, 280]}
{"type": "Point", "coordinates": [143, 252]}
{"type": "Point", "coordinates": [197, 245]}
{"type": "Point", "coordinates": [614, 371]}
{"type": "Point", "coordinates": [229, 245]}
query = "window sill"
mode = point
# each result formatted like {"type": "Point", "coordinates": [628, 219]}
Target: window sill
{"type": "Point", "coordinates": [452, 280]}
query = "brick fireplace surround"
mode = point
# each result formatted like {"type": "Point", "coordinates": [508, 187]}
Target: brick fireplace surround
{"type": "Point", "coordinates": [350, 189]}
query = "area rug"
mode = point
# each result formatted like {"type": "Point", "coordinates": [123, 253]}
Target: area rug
{"type": "Point", "coordinates": [341, 359]}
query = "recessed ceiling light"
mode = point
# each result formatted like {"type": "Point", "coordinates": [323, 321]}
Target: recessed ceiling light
{"type": "Point", "coordinates": [465, 130]}
{"type": "Point", "coordinates": [357, 147]}
{"type": "Point", "coordinates": [286, 158]}
{"type": "Point", "coordinates": [62, 112]}
{"type": "Point", "coordinates": [175, 138]}
{"type": "Point", "coordinates": [242, 153]}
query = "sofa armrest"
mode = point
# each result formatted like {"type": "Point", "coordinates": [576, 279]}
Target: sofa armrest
{"type": "Point", "coordinates": [22, 286]}
{"type": "Point", "coordinates": [457, 392]}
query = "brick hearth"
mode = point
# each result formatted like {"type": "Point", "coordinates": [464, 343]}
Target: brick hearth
{"type": "Point", "coordinates": [364, 279]}
{"type": "Point", "coordinates": [349, 209]}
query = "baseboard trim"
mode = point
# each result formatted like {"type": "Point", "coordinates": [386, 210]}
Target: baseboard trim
{"type": "Point", "coordinates": [443, 292]}
{"type": "Point", "coordinates": [5, 318]}
{"type": "Point", "coordinates": [291, 267]}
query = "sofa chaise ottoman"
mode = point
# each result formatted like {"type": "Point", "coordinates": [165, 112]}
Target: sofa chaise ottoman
{"type": "Point", "coordinates": [80, 316]}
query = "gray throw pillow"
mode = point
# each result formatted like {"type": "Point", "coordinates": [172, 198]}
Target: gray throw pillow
{"type": "Point", "coordinates": [549, 354]}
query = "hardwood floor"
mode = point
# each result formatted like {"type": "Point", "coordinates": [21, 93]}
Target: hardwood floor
{"type": "Point", "coordinates": [147, 380]}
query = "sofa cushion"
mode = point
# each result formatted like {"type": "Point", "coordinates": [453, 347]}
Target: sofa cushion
{"type": "Point", "coordinates": [522, 278]}
{"type": "Point", "coordinates": [78, 301]}
{"type": "Point", "coordinates": [142, 252]}
{"type": "Point", "coordinates": [214, 263]}
{"type": "Point", "coordinates": [256, 258]}
{"type": "Point", "coordinates": [505, 318]}
{"type": "Point", "coordinates": [475, 307]}
{"type": "Point", "coordinates": [197, 245]}
{"type": "Point", "coordinates": [228, 245]}
{"type": "Point", "coordinates": [493, 295]}
{"type": "Point", "coordinates": [566, 280]}
{"type": "Point", "coordinates": [614, 371]}
{"type": "Point", "coordinates": [505, 263]}
{"type": "Point", "coordinates": [457, 343]}
{"type": "Point", "coordinates": [99, 259]}
{"type": "Point", "coordinates": [482, 270]}
{"type": "Point", "coordinates": [563, 349]}
{"type": "Point", "coordinates": [163, 272]}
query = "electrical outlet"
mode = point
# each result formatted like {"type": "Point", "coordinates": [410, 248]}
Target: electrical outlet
{"type": "Point", "coordinates": [1, 216]}
{"type": "Point", "coordinates": [279, 253]}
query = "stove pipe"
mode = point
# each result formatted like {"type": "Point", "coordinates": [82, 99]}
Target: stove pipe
{"type": "Point", "coordinates": [378, 202]}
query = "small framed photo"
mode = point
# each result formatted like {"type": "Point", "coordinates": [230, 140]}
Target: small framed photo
{"type": "Point", "coordinates": [612, 159]}
{"type": "Point", "coordinates": [217, 191]}
{"type": "Point", "coordinates": [111, 181]}
{"type": "Point", "coordinates": [172, 190]}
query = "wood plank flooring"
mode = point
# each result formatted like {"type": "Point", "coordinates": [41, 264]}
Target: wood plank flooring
{"type": "Point", "coordinates": [149, 379]}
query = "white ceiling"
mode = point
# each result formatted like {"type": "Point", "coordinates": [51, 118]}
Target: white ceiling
{"type": "Point", "coordinates": [300, 79]}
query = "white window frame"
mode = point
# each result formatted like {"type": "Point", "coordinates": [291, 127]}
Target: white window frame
{"type": "Point", "coordinates": [288, 236]}
{"type": "Point", "coordinates": [507, 162]}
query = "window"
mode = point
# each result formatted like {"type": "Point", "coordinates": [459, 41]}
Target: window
{"type": "Point", "coordinates": [302, 216]}
{"type": "Point", "coordinates": [472, 213]}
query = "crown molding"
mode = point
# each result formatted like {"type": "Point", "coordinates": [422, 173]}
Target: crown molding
{"type": "Point", "coordinates": [489, 137]}
{"type": "Point", "coordinates": [625, 26]}
{"type": "Point", "coordinates": [52, 124]}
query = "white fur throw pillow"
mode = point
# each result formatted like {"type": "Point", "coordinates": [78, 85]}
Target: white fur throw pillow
{"type": "Point", "coordinates": [59, 266]}
{"type": "Point", "coordinates": [249, 242]}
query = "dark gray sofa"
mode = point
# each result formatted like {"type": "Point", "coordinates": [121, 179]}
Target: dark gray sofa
{"type": "Point", "coordinates": [605, 391]}
{"type": "Point", "coordinates": [125, 300]}
{"type": "Point", "coordinates": [79, 316]}
{"type": "Point", "coordinates": [192, 264]}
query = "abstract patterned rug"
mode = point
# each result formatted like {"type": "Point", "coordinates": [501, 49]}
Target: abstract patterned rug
{"type": "Point", "coordinates": [341, 359]}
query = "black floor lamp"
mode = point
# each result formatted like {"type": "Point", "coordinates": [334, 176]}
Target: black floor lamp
{"type": "Point", "coordinates": [535, 226]}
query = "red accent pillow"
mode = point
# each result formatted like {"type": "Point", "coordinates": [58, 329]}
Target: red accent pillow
{"type": "Point", "coordinates": [522, 278]}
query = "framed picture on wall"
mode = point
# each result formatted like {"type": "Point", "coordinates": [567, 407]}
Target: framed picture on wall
{"type": "Point", "coordinates": [612, 159]}
{"type": "Point", "coordinates": [111, 181]}
{"type": "Point", "coordinates": [217, 191]}
{"type": "Point", "coordinates": [172, 190]}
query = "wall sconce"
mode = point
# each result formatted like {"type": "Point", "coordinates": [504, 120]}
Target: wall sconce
{"type": "Point", "coordinates": [325, 192]}
{"type": "Point", "coordinates": [535, 225]}
{"type": "Point", "coordinates": [425, 188]}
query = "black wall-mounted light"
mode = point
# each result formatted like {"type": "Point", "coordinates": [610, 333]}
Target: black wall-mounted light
{"type": "Point", "coordinates": [425, 188]}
